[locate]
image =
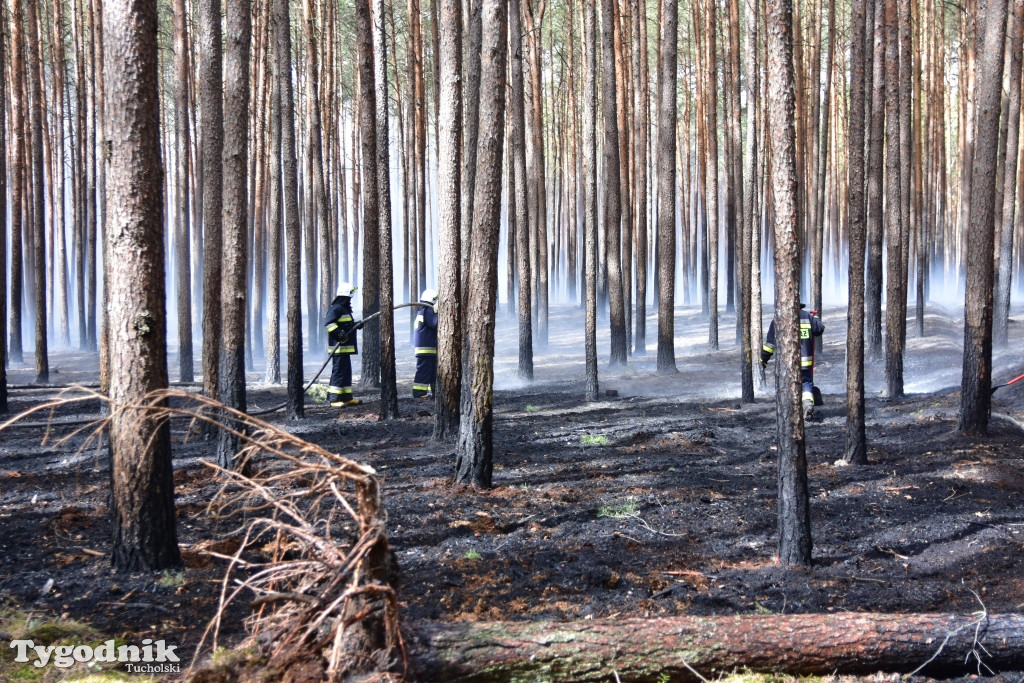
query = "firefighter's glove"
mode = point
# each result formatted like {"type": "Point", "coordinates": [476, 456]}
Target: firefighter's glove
{"type": "Point", "coordinates": [765, 357]}
{"type": "Point", "coordinates": [360, 325]}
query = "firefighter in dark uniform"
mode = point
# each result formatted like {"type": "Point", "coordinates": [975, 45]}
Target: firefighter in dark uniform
{"type": "Point", "coordinates": [810, 327]}
{"type": "Point", "coordinates": [424, 340]}
{"type": "Point", "coordinates": [341, 327]}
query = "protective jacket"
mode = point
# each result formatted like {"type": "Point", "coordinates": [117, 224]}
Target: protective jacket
{"type": "Point", "coordinates": [340, 325]}
{"type": "Point", "coordinates": [810, 327]}
{"type": "Point", "coordinates": [424, 335]}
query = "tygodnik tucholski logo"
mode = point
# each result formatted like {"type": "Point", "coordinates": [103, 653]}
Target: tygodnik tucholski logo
{"type": "Point", "coordinates": [151, 657]}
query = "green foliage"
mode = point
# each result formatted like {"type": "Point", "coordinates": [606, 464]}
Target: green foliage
{"type": "Point", "coordinates": [594, 440]}
{"type": "Point", "coordinates": [619, 510]}
{"type": "Point", "coordinates": [472, 555]}
{"type": "Point", "coordinates": [533, 409]}
{"type": "Point", "coordinates": [318, 393]}
{"type": "Point", "coordinates": [172, 579]}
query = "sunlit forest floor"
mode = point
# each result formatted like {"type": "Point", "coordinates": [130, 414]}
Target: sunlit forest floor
{"type": "Point", "coordinates": [659, 499]}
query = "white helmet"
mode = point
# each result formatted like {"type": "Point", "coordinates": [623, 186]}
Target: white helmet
{"type": "Point", "coordinates": [429, 295]}
{"type": "Point", "coordinates": [346, 289]}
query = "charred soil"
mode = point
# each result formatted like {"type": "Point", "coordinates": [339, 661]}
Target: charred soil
{"type": "Point", "coordinates": [657, 501]}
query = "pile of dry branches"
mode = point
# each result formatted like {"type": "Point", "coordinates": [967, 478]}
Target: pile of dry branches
{"type": "Point", "coordinates": [312, 544]}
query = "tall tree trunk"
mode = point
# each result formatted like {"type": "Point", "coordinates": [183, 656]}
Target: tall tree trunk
{"type": "Point", "coordinates": [1004, 278]}
{"type": "Point", "coordinates": [893, 218]}
{"type": "Point", "coordinates": [794, 504]}
{"type": "Point", "coordinates": [142, 499]}
{"type": "Point", "coordinates": [368, 186]}
{"type": "Point", "coordinates": [667, 187]}
{"type": "Point", "coordinates": [235, 217]}
{"type": "Point", "coordinates": [60, 249]}
{"type": "Point", "coordinates": [274, 220]}
{"type": "Point", "coordinates": [873, 286]}
{"type": "Point", "coordinates": [976, 380]}
{"type": "Point", "coordinates": [612, 196]}
{"type": "Point", "coordinates": [475, 449]}
{"type": "Point", "coordinates": [36, 111]}
{"type": "Point", "coordinates": [641, 127]}
{"type": "Point", "coordinates": [471, 124]}
{"type": "Point", "coordinates": [3, 231]}
{"type": "Point", "coordinates": [711, 180]}
{"type": "Point", "coordinates": [449, 126]}
{"type": "Point", "coordinates": [292, 224]}
{"type": "Point", "coordinates": [211, 124]}
{"type": "Point", "coordinates": [385, 290]}
{"type": "Point", "coordinates": [749, 217]}
{"type": "Point", "coordinates": [590, 232]}
{"type": "Point", "coordinates": [316, 154]}
{"type": "Point", "coordinates": [519, 205]}
{"type": "Point", "coordinates": [18, 189]}
{"type": "Point", "coordinates": [855, 451]}
{"type": "Point", "coordinates": [182, 149]}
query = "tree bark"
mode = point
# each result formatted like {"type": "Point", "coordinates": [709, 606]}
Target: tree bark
{"type": "Point", "coordinates": [18, 191]}
{"type": "Point", "coordinates": [235, 217]}
{"type": "Point", "coordinates": [612, 194]}
{"type": "Point", "coordinates": [449, 126]}
{"type": "Point", "coordinates": [667, 188]}
{"type": "Point", "coordinates": [142, 499]}
{"type": "Point", "coordinates": [520, 208]}
{"type": "Point", "coordinates": [873, 278]}
{"type": "Point", "coordinates": [385, 291]}
{"type": "Point", "coordinates": [855, 451]}
{"type": "Point", "coordinates": [590, 230]}
{"type": "Point", "coordinates": [685, 648]}
{"type": "Point", "coordinates": [1004, 277]}
{"type": "Point", "coordinates": [3, 231]}
{"type": "Point", "coordinates": [182, 149]}
{"type": "Point", "coordinates": [641, 127]}
{"type": "Point", "coordinates": [273, 362]}
{"type": "Point", "coordinates": [893, 217]}
{"type": "Point", "coordinates": [211, 124]}
{"type": "Point", "coordinates": [292, 225]}
{"type": "Point", "coordinates": [976, 378]}
{"type": "Point", "coordinates": [794, 505]}
{"type": "Point", "coordinates": [36, 110]}
{"type": "Point", "coordinates": [711, 178]}
{"type": "Point", "coordinates": [475, 449]}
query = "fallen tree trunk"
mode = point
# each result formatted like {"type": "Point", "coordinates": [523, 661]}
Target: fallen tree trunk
{"type": "Point", "coordinates": [647, 649]}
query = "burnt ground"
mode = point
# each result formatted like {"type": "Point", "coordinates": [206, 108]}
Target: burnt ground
{"type": "Point", "coordinates": [658, 501]}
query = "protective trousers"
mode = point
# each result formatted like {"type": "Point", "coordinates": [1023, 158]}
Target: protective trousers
{"type": "Point", "coordinates": [426, 375]}
{"type": "Point", "coordinates": [340, 389]}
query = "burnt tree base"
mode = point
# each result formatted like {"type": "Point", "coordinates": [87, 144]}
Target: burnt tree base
{"type": "Point", "coordinates": [682, 647]}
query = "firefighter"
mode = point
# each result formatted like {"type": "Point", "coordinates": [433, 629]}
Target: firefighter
{"type": "Point", "coordinates": [341, 338]}
{"type": "Point", "coordinates": [424, 341]}
{"type": "Point", "coordinates": [810, 327]}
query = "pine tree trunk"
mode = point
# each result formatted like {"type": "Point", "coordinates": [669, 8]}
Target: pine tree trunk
{"type": "Point", "coordinates": [519, 203]}
{"type": "Point", "coordinates": [893, 217]}
{"type": "Point", "coordinates": [475, 449]}
{"type": "Point", "coordinates": [471, 124]}
{"type": "Point", "coordinates": [183, 257]}
{"type": "Point", "coordinates": [976, 379]}
{"type": "Point", "coordinates": [749, 218]}
{"type": "Point", "coordinates": [873, 287]}
{"type": "Point", "coordinates": [60, 247]}
{"type": "Point", "coordinates": [1004, 278]}
{"type": "Point", "coordinates": [711, 179]}
{"type": "Point", "coordinates": [3, 232]}
{"type": "Point", "coordinates": [667, 187]}
{"type": "Point", "coordinates": [794, 504]}
{"type": "Point", "coordinates": [855, 451]}
{"type": "Point", "coordinates": [693, 648]}
{"type": "Point", "coordinates": [274, 221]}
{"type": "Point", "coordinates": [36, 111]}
{"type": "Point", "coordinates": [212, 130]}
{"type": "Point", "coordinates": [235, 217]}
{"type": "Point", "coordinates": [385, 290]}
{"type": "Point", "coordinates": [590, 231]}
{"type": "Point", "coordinates": [18, 189]}
{"type": "Point", "coordinates": [142, 500]}
{"type": "Point", "coordinates": [611, 189]}
{"type": "Point", "coordinates": [449, 126]}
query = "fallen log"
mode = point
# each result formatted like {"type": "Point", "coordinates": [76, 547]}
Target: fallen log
{"type": "Point", "coordinates": [682, 647]}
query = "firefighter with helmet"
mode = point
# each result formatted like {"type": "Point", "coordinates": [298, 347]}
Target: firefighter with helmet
{"type": "Point", "coordinates": [424, 341]}
{"type": "Point", "coordinates": [810, 327]}
{"type": "Point", "coordinates": [341, 338]}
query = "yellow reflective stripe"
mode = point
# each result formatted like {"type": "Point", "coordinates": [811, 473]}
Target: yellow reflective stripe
{"type": "Point", "coordinates": [421, 387]}
{"type": "Point", "coordinates": [345, 319]}
{"type": "Point", "coordinates": [425, 351]}
{"type": "Point", "coordinates": [807, 396]}
{"type": "Point", "coordinates": [419, 319]}
{"type": "Point", "coordinates": [335, 390]}
{"type": "Point", "coordinates": [806, 361]}
{"type": "Point", "coordinates": [331, 327]}
{"type": "Point", "coordinates": [769, 348]}
{"type": "Point", "coordinates": [344, 349]}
